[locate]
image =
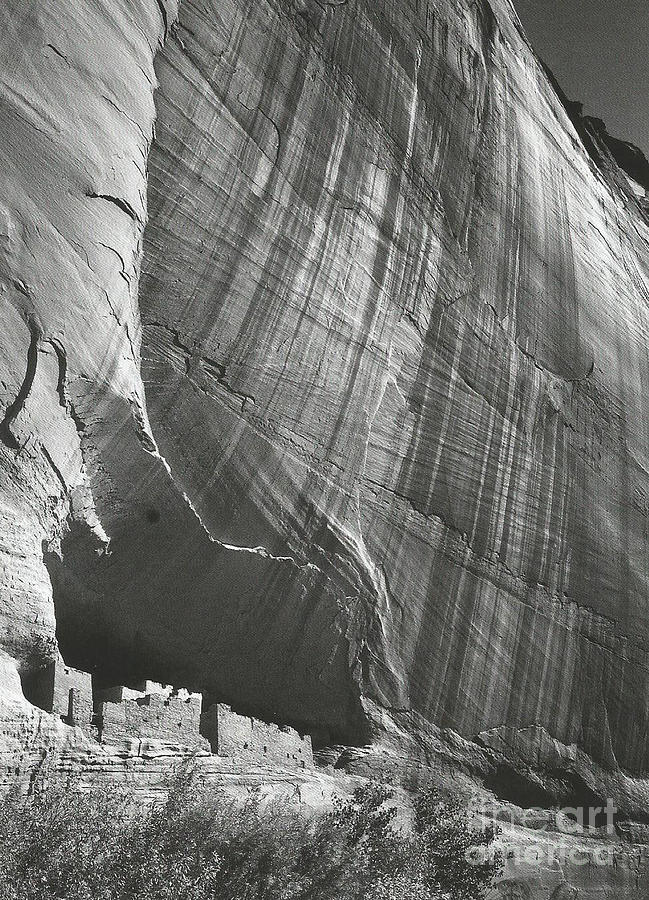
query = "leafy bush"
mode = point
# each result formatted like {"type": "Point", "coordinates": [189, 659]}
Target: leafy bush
{"type": "Point", "coordinates": [454, 856]}
{"type": "Point", "coordinates": [63, 844]}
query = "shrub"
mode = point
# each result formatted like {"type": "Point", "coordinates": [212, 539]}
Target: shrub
{"type": "Point", "coordinates": [445, 840]}
{"type": "Point", "coordinates": [63, 844]}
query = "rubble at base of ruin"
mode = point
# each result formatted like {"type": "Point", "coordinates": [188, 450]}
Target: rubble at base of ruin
{"type": "Point", "coordinates": [150, 711]}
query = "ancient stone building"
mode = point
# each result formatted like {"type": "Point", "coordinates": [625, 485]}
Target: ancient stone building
{"type": "Point", "coordinates": [104, 692]}
{"type": "Point", "coordinates": [163, 714]}
{"type": "Point", "coordinates": [156, 712]}
{"type": "Point", "coordinates": [62, 690]}
{"type": "Point", "coordinates": [251, 740]}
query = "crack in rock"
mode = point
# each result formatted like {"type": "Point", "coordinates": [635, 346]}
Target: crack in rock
{"type": "Point", "coordinates": [197, 364]}
{"type": "Point", "coordinates": [152, 448]}
{"type": "Point", "coordinates": [14, 408]}
{"type": "Point", "coordinates": [119, 202]}
{"type": "Point", "coordinates": [62, 385]}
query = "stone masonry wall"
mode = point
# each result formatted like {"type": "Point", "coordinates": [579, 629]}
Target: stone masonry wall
{"type": "Point", "coordinates": [151, 711]}
{"type": "Point", "coordinates": [64, 691]}
{"type": "Point", "coordinates": [174, 718]}
{"type": "Point", "coordinates": [250, 740]}
{"type": "Point", "coordinates": [72, 695]}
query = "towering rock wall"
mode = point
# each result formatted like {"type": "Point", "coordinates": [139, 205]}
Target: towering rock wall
{"type": "Point", "coordinates": [371, 437]}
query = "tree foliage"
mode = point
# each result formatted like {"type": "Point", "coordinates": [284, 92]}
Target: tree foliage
{"type": "Point", "coordinates": [63, 844]}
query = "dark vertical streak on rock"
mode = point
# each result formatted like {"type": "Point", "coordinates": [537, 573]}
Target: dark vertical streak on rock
{"type": "Point", "coordinates": [13, 410]}
{"type": "Point", "coordinates": [165, 17]}
{"type": "Point", "coordinates": [61, 356]}
{"type": "Point", "coordinates": [55, 468]}
{"type": "Point", "coordinates": [62, 384]}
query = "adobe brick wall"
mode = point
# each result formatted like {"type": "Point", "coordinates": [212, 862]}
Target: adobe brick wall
{"type": "Point", "coordinates": [250, 740]}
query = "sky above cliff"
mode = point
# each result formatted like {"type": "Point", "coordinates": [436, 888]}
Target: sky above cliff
{"type": "Point", "coordinates": [599, 51]}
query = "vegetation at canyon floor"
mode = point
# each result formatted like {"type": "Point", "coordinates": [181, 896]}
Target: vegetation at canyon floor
{"type": "Point", "coordinates": [62, 843]}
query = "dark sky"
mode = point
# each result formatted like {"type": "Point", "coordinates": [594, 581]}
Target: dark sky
{"type": "Point", "coordinates": [599, 51]}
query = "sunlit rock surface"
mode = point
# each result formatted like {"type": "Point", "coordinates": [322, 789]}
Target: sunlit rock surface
{"type": "Point", "coordinates": [355, 432]}
{"type": "Point", "coordinates": [76, 116]}
{"type": "Point", "coordinates": [394, 328]}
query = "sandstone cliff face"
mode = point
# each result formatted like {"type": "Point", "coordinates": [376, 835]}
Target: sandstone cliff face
{"type": "Point", "coordinates": [356, 427]}
{"type": "Point", "coordinates": [76, 82]}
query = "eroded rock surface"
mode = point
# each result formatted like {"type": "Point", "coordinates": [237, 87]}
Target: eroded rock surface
{"type": "Point", "coordinates": [354, 433]}
{"type": "Point", "coordinates": [77, 112]}
{"type": "Point", "coordinates": [394, 324]}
